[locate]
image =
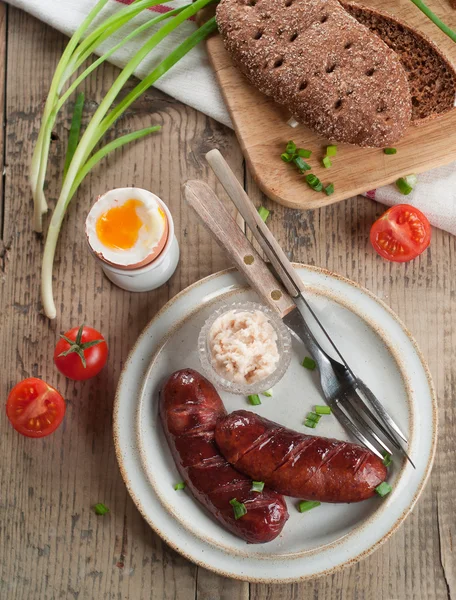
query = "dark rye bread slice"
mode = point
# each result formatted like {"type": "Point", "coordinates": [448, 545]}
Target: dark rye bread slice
{"type": "Point", "coordinates": [431, 76]}
{"type": "Point", "coordinates": [326, 68]}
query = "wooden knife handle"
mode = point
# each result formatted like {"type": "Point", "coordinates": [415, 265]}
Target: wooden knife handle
{"type": "Point", "coordinates": [228, 234]}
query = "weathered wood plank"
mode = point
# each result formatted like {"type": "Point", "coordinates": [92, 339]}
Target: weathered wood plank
{"type": "Point", "coordinates": [53, 545]}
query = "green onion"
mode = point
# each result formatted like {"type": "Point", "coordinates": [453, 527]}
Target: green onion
{"type": "Point", "coordinates": [114, 145]}
{"type": "Point", "coordinates": [101, 509]}
{"type": "Point", "coordinates": [180, 485]}
{"type": "Point", "coordinates": [329, 189]}
{"type": "Point", "coordinates": [254, 399]}
{"type": "Point", "coordinates": [306, 505]}
{"type": "Point", "coordinates": [303, 153]}
{"type": "Point", "coordinates": [327, 162]}
{"type": "Point", "coordinates": [239, 509]}
{"type": "Point", "coordinates": [286, 157]}
{"type": "Point", "coordinates": [301, 164]}
{"type": "Point", "coordinates": [311, 416]}
{"type": "Point", "coordinates": [387, 459]}
{"type": "Point", "coordinates": [309, 363]}
{"type": "Point", "coordinates": [267, 393]}
{"type": "Point", "coordinates": [314, 182]}
{"type": "Point", "coordinates": [383, 489]}
{"type": "Point", "coordinates": [291, 148]}
{"type": "Point", "coordinates": [331, 150]}
{"type": "Point", "coordinates": [257, 486]}
{"type": "Point", "coordinates": [102, 121]}
{"type": "Point", "coordinates": [434, 18]}
{"type": "Point", "coordinates": [322, 410]}
{"type": "Point", "coordinates": [75, 130]}
{"type": "Point", "coordinates": [72, 58]}
{"type": "Point", "coordinates": [309, 423]}
{"type": "Point", "coordinates": [264, 213]}
{"type": "Point", "coordinates": [389, 150]}
{"type": "Point", "coordinates": [406, 184]}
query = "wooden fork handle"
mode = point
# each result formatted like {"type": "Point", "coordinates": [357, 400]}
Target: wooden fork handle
{"type": "Point", "coordinates": [230, 237]}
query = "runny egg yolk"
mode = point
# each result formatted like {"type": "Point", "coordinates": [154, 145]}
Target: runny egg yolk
{"type": "Point", "coordinates": [119, 226]}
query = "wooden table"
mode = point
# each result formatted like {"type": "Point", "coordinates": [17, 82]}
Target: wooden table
{"type": "Point", "coordinates": [52, 545]}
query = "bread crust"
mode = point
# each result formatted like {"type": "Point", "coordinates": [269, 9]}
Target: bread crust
{"type": "Point", "coordinates": [432, 77]}
{"type": "Point", "coordinates": [330, 71]}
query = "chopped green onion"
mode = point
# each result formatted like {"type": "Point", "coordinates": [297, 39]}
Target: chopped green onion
{"type": "Point", "coordinates": [311, 416]}
{"type": "Point", "coordinates": [303, 153]}
{"type": "Point", "coordinates": [180, 485]}
{"type": "Point", "coordinates": [101, 509]}
{"type": "Point", "coordinates": [322, 410]}
{"type": "Point", "coordinates": [387, 459]}
{"type": "Point", "coordinates": [406, 184]}
{"type": "Point", "coordinates": [254, 399]}
{"type": "Point", "coordinates": [301, 164]}
{"type": "Point", "coordinates": [327, 162]}
{"type": "Point", "coordinates": [306, 505]}
{"type": "Point", "coordinates": [389, 150]}
{"type": "Point", "coordinates": [286, 157]}
{"type": "Point", "coordinates": [383, 489]}
{"type": "Point", "coordinates": [309, 423]}
{"type": "Point", "coordinates": [329, 189]}
{"type": "Point", "coordinates": [267, 393]}
{"type": "Point", "coordinates": [264, 213]}
{"type": "Point", "coordinates": [75, 130]}
{"type": "Point", "coordinates": [314, 182]}
{"type": "Point", "coordinates": [291, 148]}
{"type": "Point", "coordinates": [239, 509]}
{"type": "Point", "coordinates": [257, 486]}
{"type": "Point", "coordinates": [331, 150]}
{"type": "Point", "coordinates": [309, 363]}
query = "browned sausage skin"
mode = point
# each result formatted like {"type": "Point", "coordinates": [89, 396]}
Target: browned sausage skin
{"type": "Point", "coordinates": [298, 465]}
{"type": "Point", "coordinates": [189, 408]}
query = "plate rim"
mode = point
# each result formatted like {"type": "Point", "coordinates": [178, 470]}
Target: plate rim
{"type": "Point", "coordinates": [365, 553]}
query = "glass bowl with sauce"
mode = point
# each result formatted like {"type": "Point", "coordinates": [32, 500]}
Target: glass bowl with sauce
{"type": "Point", "coordinates": [244, 348]}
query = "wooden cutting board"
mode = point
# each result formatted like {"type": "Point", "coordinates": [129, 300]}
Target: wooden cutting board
{"type": "Point", "coordinates": [262, 130]}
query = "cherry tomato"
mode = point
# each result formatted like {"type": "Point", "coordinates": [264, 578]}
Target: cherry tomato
{"type": "Point", "coordinates": [401, 234]}
{"type": "Point", "coordinates": [34, 408]}
{"type": "Point", "coordinates": [81, 353]}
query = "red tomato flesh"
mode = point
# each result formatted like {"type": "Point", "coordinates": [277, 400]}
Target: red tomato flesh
{"type": "Point", "coordinates": [35, 408]}
{"type": "Point", "coordinates": [95, 356]}
{"type": "Point", "coordinates": [401, 234]}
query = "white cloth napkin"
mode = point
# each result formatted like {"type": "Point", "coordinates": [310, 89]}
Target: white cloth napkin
{"type": "Point", "coordinates": [192, 81]}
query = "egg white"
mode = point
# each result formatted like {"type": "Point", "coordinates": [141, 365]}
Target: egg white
{"type": "Point", "coordinates": [149, 235]}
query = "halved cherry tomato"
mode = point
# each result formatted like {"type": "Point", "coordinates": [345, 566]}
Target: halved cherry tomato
{"type": "Point", "coordinates": [81, 353]}
{"type": "Point", "coordinates": [35, 408]}
{"type": "Point", "coordinates": [401, 234]}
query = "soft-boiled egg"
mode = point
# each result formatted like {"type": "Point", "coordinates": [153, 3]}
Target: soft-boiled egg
{"type": "Point", "coordinates": [127, 227]}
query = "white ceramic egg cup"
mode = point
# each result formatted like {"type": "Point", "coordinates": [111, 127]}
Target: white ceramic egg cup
{"type": "Point", "coordinates": [154, 274]}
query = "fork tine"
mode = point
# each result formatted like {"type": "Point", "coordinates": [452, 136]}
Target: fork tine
{"type": "Point", "coordinates": [355, 403]}
{"type": "Point", "coordinates": [351, 426]}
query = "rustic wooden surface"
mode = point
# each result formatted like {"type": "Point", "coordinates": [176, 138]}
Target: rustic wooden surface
{"type": "Point", "coordinates": [52, 545]}
{"type": "Point", "coordinates": [264, 137]}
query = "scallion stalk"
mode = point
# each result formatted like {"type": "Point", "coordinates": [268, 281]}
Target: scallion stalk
{"type": "Point", "coordinates": [100, 123]}
{"type": "Point", "coordinates": [75, 129]}
{"type": "Point", "coordinates": [435, 19]}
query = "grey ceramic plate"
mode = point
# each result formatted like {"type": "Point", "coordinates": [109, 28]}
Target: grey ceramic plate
{"type": "Point", "coordinates": [377, 346]}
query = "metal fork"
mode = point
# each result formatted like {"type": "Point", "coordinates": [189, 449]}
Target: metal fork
{"type": "Point", "coordinates": [352, 402]}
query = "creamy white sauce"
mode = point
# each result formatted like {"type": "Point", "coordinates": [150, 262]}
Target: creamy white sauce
{"type": "Point", "coordinates": [243, 346]}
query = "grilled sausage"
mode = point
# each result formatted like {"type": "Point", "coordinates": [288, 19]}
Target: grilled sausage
{"type": "Point", "coordinates": [189, 408]}
{"type": "Point", "coordinates": [295, 464]}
